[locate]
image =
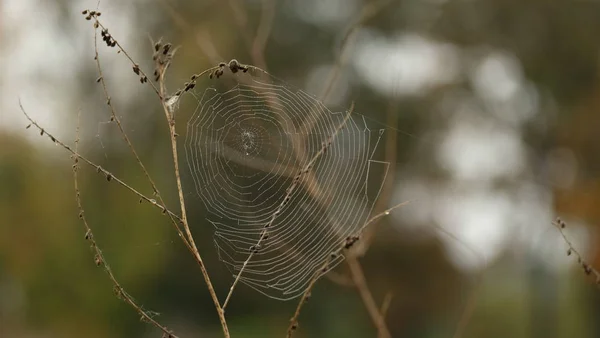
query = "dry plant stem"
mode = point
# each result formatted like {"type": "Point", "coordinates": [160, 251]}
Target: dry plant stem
{"type": "Point", "coordinates": [357, 276]}
{"type": "Point", "coordinates": [294, 319]}
{"type": "Point", "coordinates": [99, 258]}
{"type": "Point", "coordinates": [130, 59]}
{"type": "Point", "coordinates": [116, 118]}
{"type": "Point", "coordinates": [587, 268]}
{"type": "Point", "coordinates": [173, 136]}
{"type": "Point", "coordinates": [187, 238]}
{"type": "Point", "coordinates": [106, 173]}
{"type": "Point", "coordinates": [291, 189]}
{"type": "Point", "coordinates": [360, 281]}
{"type": "Point", "coordinates": [150, 83]}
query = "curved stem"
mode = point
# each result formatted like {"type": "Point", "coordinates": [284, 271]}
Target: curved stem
{"type": "Point", "coordinates": [173, 136]}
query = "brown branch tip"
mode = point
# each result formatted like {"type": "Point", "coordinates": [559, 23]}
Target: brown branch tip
{"type": "Point", "coordinates": [560, 225]}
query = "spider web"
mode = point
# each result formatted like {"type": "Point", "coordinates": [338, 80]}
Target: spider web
{"type": "Point", "coordinates": [285, 180]}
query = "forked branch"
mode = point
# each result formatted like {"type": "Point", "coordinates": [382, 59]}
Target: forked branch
{"type": "Point", "coordinates": [344, 246]}
{"type": "Point", "coordinates": [115, 118]}
{"type": "Point", "coordinates": [110, 177]}
{"type": "Point", "coordinates": [360, 281]}
{"type": "Point", "coordinates": [161, 68]}
{"type": "Point", "coordinates": [99, 259]}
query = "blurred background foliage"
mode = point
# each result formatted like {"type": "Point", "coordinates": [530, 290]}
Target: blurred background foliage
{"type": "Point", "coordinates": [493, 105]}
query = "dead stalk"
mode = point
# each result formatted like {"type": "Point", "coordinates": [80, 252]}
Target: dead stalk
{"type": "Point", "coordinates": [294, 320]}
{"type": "Point", "coordinates": [360, 281]}
{"type": "Point", "coordinates": [173, 137]}
{"type": "Point", "coordinates": [98, 257]}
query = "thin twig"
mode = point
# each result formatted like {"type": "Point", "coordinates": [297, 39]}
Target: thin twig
{"type": "Point", "coordinates": [162, 94]}
{"type": "Point", "coordinates": [173, 138]}
{"type": "Point", "coordinates": [359, 250]}
{"type": "Point", "coordinates": [318, 273]}
{"type": "Point", "coordinates": [115, 117]}
{"type": "Point", "coordinates": [187, 237]}
{"type": "Point", "coordinates": [99, 258]}
{"type": "Point", "coordinates": [560, 225]}
{"type": "Point", "coordinates": [307, 293]}
{"type": "Point", "coordinates": [120, 47]}
{"type": "Point", "coordinates": [360, 281]}
{"type": "Point", "coordinates": [109, 176]}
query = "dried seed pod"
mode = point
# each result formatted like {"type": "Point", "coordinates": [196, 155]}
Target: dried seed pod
{"type": "Point", "coordinates": [118, 292]}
